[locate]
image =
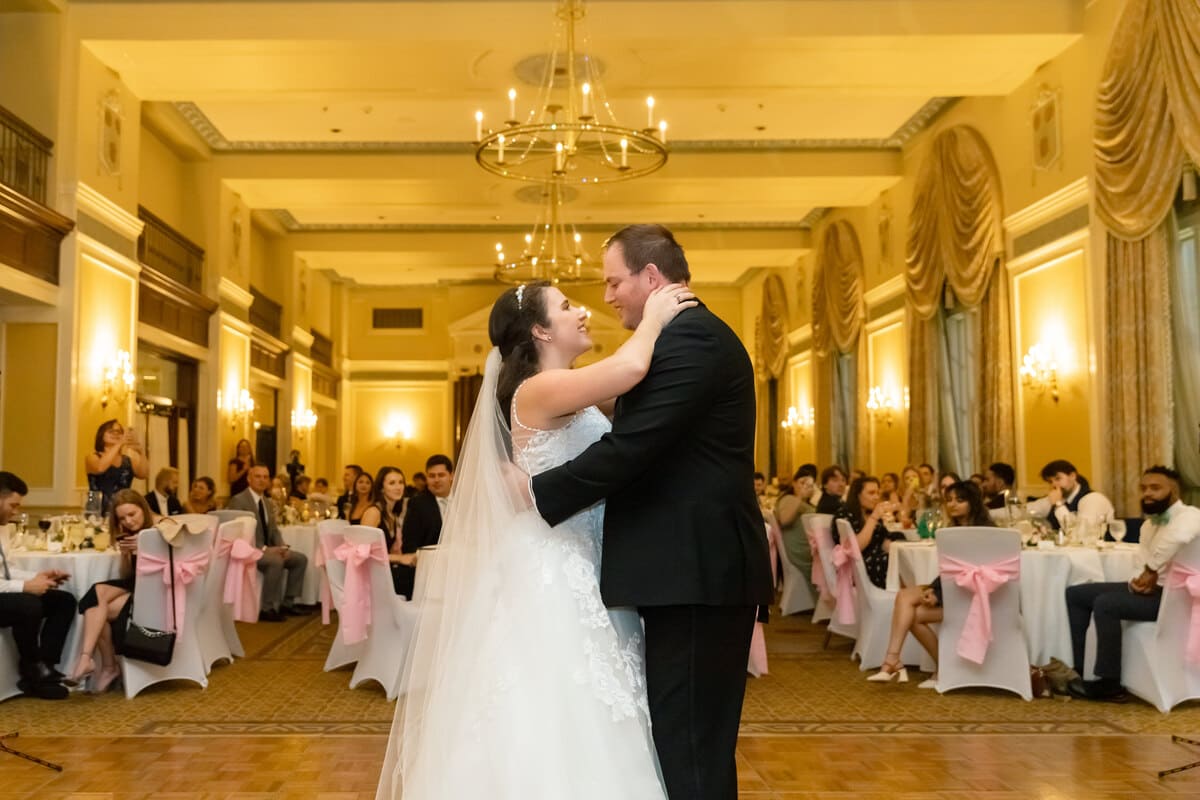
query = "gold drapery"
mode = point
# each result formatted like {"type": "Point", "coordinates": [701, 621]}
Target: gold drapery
{"type": "Point", "coordinates": [839, 311]}
{"type": "Point", "coordinates": [773, 325]}
{"type": "Point", "coordinates": [1138, 343]}
{"type": "Point", "coordinates": [1147, 114]}
{"type": "Point", "coordinates": [955, 239]}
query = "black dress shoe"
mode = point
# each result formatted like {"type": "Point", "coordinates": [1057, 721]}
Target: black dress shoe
{"type": "Point", "coordinates": [44, 690]}
{"type": "Point", "coordinates": [295, 611]}
{"type": "Point", "coordinates": [270, 616]}
{"type": "Point", "coordinates": [1100, 689]}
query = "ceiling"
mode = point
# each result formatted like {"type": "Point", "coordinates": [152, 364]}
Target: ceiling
{"type": "Point", "coordinates": [356, 117]}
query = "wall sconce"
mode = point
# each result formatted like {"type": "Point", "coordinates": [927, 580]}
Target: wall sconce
{"type": "Point", "coordinates": [1039, 370]}
{"type": "Point", "coordinates": [882, 402]}
{"type": "Point", "coordinates": [398, 429]}
{"type": "Point", "coordinates": [239, 411]}
{"type": "Point", "coordinates": [797, 421]}
{"type": "Point", "coordinates": [303, 421]}
{"type": "Point", "coordinates": [117, 379]}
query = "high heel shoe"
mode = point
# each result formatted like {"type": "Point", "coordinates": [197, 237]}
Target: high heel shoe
{"type": "Point", "coordinates": [83, 669]}
{"type": "Point", "coordinates": [105, 679]}
{"type": "Point", "coordinates": [884, 676]}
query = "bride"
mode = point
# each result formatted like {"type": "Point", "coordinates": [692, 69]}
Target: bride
{"type": "Point", "coordinates": [519, 683]}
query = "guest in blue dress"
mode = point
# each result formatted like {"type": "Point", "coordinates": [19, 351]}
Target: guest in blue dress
{"type": "Point", "coordinates": [116, 461]}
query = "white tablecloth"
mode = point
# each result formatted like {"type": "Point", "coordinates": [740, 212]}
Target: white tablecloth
{"type": "Point", "coordinates": [86, 569]}
{"type": "Point", "coordinates": [1045, 576]}
{"type": "Point", "coordinates": [303, 539]}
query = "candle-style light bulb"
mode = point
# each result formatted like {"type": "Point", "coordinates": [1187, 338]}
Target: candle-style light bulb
{"type": "Point", "coordinates": [512, 104]}
{"type": "Point", "coordinates": [624, 153]}
{"type": "Point", "coordinates": [479, 126]}
{"type": "Point", "coordinates": [558, 157]}
{"type": "Point", "coordinates": [650, 112]}
{"type": "Point", "coordinates": [499, 247]}
{"type": "Point", "coordinates": [587, 99]}
{"type": "Point", "coordinates": [662, 131]}
{"type": "Point", "coordinates": [500, 152]}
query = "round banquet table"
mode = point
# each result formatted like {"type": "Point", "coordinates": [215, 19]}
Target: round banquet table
{"type": "Point", "coordinates": [1045, 576]}
{"type": "Point", "coordinates": [303, 539]}
{"type": "Point", "coordinates": [86, 568]}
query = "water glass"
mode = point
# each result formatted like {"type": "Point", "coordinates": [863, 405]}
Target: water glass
{"type": "Point", "coordinates": [1116, 529]}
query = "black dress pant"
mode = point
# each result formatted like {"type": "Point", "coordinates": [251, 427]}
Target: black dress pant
{"type": "Point", "coordinates": [696, 680]}
{"type": "Point", "coordinates": [39, 623]}
{"type": "Point", "coordinates": [1108, 603]}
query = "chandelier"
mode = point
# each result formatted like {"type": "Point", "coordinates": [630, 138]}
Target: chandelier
{"type": "Point", "coordinates": [552, 250]}
{"type": "Point", "coordinates": [571, 133]}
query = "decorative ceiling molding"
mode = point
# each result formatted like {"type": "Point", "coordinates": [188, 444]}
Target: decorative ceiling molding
{"type": "Point", "coordinates": [292, 225]}
{"type": "Point", "coordinates": [216, 140]}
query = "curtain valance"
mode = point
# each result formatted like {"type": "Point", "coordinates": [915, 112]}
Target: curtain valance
{"type": "Point", "coordinates": [838, 306]}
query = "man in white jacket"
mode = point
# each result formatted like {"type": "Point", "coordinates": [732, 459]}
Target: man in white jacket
{"type": "Point", "coordinates": [38, 613]}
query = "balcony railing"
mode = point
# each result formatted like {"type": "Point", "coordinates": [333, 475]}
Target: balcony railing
{"type": "Point", "coordinates": [266, 314]}
{"type": "Point", "coordinates": [322, 349]}
{"type": "Point", "coordinates": [24, 157]}
{"type": "Point", "coordinates": [169, 252]}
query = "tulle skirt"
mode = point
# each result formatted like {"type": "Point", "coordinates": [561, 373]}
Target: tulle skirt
{"type": "Point", "coordinates": [547, 697]}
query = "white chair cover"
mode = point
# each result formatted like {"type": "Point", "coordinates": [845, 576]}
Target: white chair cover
{"type": "Point", "coordinates": [874, 608]}
{"type": "Point", "coordinates": [224, 515]}
{"type": "Point", "coordinates": [9, 671]}
{"type": "Point", "coordinates": [1154, 664]}
{"type": "Point", "coordinates": [331, 533]}
{"type": "Point", "coordinates": [822, 525]}
{"type": "Point", "coordinates": [797, 594]}
{"type": "Point", "coordinates": [1006, 665]}
{"type": "Point", "coordinates": [824, 601]}
{"type": "Point", "coordinates": [217, 631]}
{"type": "Point", "coordinates": [392, 621]}
{"type": "Point", "coordinates": [152, 609]}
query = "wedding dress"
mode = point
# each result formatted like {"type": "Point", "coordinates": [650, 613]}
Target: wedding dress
{"type": "Point", "coordinates": [520, 684]}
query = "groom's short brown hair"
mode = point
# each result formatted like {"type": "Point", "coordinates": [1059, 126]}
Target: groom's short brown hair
{"type": "Point", "coordinates": [651, 244]}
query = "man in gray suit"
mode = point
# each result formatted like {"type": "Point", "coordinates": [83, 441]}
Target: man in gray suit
{"type": "Point", "coordinates": [277, 557]}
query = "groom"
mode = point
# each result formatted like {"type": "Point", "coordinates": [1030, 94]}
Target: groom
{"type": "Point", "coordinates": [683, 537]}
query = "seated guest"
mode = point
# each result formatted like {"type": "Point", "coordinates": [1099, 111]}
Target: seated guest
{"type": "Point", "coordinates": [788, 510]}
{"type": "Point", "coordinates": [277, 558]}
{"type": "Point", "coordinates": [163, 500]}
{"type": "Point", "coordinates": [889, 487]}
{"type": "Point", "coordinates": [998, 480]}
{"type": "Point", "coordinates": [201, 496]}
{"type": "Point", "coordinates": [116, 460]}
{"type": "Point", "coordinates": [418, 484]}
{"type": "Point", "coordinates": [918, 607]}
{"type": "Point", "coordinates": [946, 480]}
{"type": "Point", "coordinates": [32, 605]}
{"type": "Point", "coordinates": [299, 494]}
{"type": "Point", "coordinates": [423, 521]}
{"type": "Point", "coordinates": [910, 489]}
{"type": "Point", "coordinates": [386, 514]}
{"type": "Point", "coordinates": [106, 607]}
{"type": "Point", "coordinates": [1169, 526]}
{"type": "Point", "coordinates": [346, 498]}
{"type": "Point", "coordinates": [760, 486]}
{"type": "Point", "coordinates": [833, 486]}
{"type": "Point", "coordinates": [867, 514]}
{"type": "Point", "coordinates": [363, 499]}
{"type": "Point", "coordinates": [855, 474]}
{"type": "Point", "coordinates": [320, 492]}
{"type": "Point", "coordinates": [1069, 494]}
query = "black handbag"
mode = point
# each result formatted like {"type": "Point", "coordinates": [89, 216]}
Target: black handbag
{"type": "Point", "coordinates": [150, 645]}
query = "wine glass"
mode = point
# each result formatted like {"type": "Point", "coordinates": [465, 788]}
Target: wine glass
{"type": "Point", "coordinates": [1117, 529]}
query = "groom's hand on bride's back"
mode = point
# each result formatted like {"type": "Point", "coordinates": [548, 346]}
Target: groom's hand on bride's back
{"type": "Point", "coordinates": [518, 484]}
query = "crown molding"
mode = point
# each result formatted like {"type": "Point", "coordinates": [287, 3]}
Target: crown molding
{"type": "Point", "coordinates": [228, 290]}
{"type": "Point", "coordinates": [267, 342]}
{"type": "Point", "coordinates": [301, 337]}
{"type": "Point", "coordinates": [235, 325]}
{"type": "Point", "coordinates": [97, 206]}
{"type": "Point", "coordinates": [1073, 195]}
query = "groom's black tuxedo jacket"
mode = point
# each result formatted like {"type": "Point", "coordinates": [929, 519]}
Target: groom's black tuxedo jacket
{"type": "Point", "coordinates": [681, 524]}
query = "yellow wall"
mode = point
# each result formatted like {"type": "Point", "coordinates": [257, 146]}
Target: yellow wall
{"type": "Point", "coordinates": [301, 399]}
{"type": "Point", "coordinates": [106, 318]}
{"type": "Point", "coordinates": [233, 376]}
{"type": "Point", "coordinates": [798, 445]}
{"type": "Point", "coordinates": [425, 404]}
{"type": "Point", "coordinates": [166, 186]}
{"type": "Point", "coordinates": [1050, 305]}
{"type": "Point", "coordinates": [888, 369]}
{"type": "Point", "coordinates": [97, 81]}
{"type": "Point", "coordinates": [320, 303]}
{"type": "Point", "coordinates": [30, 352]}
{"type": "Point", "coordinates": [29, 47]}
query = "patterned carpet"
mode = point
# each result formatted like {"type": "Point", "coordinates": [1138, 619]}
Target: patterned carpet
{"type": "Point", "coordinates": [280, 689]}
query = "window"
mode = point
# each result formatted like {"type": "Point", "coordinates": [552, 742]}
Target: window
{"type": "Point", "coordinates": [397, 318]}
{"type": "Point", "coordinates": [845, 366]}
{"type": "Point", "coordinates": [958, 370]}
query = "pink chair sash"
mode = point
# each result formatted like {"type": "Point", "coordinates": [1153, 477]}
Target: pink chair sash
{"type": "Point", "coordinates": [1181, 577]}
{"type": "Point", "coordinates": [356, 605]}
{"type": "Point", "coordinates": [818, 571]}
{"type": "Point", "coordinates": [323, 543]}
{"type": "Point", "coordinates": [242, 588]}
{"type": "Point", "coordinates": [775, 547]}
{"type": "Point", "coordinates": [186, 571]}
{"type": "Point", "coordinates": [981, 580]}
{"type": "Point", "coordinates": [844, 556]}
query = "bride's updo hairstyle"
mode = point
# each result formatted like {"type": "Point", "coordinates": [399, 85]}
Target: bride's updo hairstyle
{"type": "Point", "coordinates": [510, 328]}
